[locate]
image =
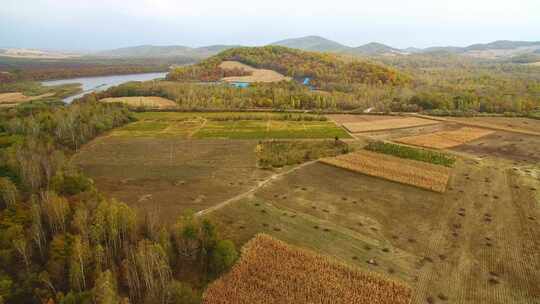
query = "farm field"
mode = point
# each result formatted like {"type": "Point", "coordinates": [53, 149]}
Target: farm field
{"type": "Point", "coordinates": [351, 118]}
{"type": "Point", "coordinates": [179, 174]}
{"type": "Point", "coordinates": [213, 126]}
{"type": "Point", "coordinates": [147, 102]}
{"type": "Point", "coordinates": [301, 277]}
{"type": "Point", "coordinates": [411, 172]}
{"type": "Point", "coordinates": [505, 145]}
{"type": "Point", "coordinates": [446, 139]}
{"type": "Point", "coordinates": [476, 243]}
{"type": "Point", "coordinates": [12, 99]}
{"type": "Point", "coordinates": [525, 126]}
{"type": "Point", "coordinates": [509, 123]}
{"type": "Point", "coordinates": [387, 124]}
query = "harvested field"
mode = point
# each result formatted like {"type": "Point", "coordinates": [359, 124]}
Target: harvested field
{"type": "Point", "coordinates": [168, 173]}
{"type": "Point", "coordinates": [11, 99]}
{"type": "Point", "coordinates": [525, 126]}
{"type": "Point", "coordinates": [505, 145]}
{"type": "Point", "coordinates": [445, 139]}
{"type": "Point", "coordinates": [475, 243]}
{"type": "Point", "coordinates": [509, 124]}
{"type": "Point", "coordinates": [147, 102]}
{"type": "Point", "coordinates": [410, 172]}
{"type": "Point", "coordinates": [257, 75]}
{"type": "Point", "coordinates": [350, 118]}
{"type": "Point", "coordinates": [270, 271]}
{"type": "Point", "coordinates": [387, 124]}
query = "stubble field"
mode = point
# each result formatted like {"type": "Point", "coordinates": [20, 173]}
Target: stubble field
{"type": "Point", "coordinates": [476, 243]}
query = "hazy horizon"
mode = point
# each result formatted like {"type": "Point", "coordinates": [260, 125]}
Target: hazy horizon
{"type": "Point", "coordinates": [100, 24]}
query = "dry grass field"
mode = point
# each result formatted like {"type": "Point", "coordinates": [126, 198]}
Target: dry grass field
{"type": "Point", "coordinates": [257, 75]}
{"type": "Point", "coordinates": [351, 118]}
{"type": "Point", "coordinates": [147, 102]}
{"type": "Point", "coordinates": [406, 171]}
{"type": "Point", "coordinates": [505, 145]}
{"type": "Point", "coordinates": [387, 124]}
{"type": "Point", "coordinates": [521, 125]}
{"type": "Point", "coordinates": [445, 139]}
{"type": "Point", "coordinates": [476, 243]}
{"type": "Point", "coordinates": [170, 174]}
{"type": "Point", "coordinates": [270, 271]}
{"type": "Point", "coordinates": [12, 99]}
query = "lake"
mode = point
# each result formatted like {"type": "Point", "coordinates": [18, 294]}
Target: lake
{"type": "Point", "coordinates": [99, 83]}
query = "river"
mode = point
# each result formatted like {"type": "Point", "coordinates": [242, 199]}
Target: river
{"type": "Point", "coordinates": [99, 83]}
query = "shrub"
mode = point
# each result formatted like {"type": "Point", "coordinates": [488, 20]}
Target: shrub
{"type": "Point", "coordinates": [411, 153]}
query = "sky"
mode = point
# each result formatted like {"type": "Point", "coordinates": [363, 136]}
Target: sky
{"type": "Point", "coordinates": [88, 25]}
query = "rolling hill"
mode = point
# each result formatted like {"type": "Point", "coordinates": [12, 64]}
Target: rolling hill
{"type": "Point", "coordinates": [326, 70]}
{"type": "Point", "coordinates": [172, 51]}
{"type": "Point", "coordinates": [312, 43]}
{"type": "Point", "coordinates": [375, 48]}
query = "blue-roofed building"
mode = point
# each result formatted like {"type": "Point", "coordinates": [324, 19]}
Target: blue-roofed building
{"type": "Point", "coordinates": [306, 81]}
{"type": "Point", "coordinates": [240, 84]}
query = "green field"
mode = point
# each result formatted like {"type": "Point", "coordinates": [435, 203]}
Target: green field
{"type": "Point", "coordinates": [217, 126]}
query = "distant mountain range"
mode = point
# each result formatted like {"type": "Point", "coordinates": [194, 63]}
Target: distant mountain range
{"type": "Point", "coordinates": [152, 51]}
{"type": "Point", "coordinates": [502, 49]}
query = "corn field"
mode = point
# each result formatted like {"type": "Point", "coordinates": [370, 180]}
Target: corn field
{"type": "Point", "coordinates": [406, 171]}
{"type": "Point", "coordinates": [270, 271]}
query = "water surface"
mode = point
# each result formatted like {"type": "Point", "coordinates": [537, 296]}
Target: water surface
{"type": "Point", "coordinates": [99, 83]}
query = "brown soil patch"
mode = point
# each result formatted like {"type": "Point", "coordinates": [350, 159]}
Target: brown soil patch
{"type": "Point", "coordinates": [445, 139]}
{"type": "Point", "coordinates": [518, 124]}
{"type": "Point", "coordinates": [406, 171]}
{"type": "Point", "coordinates": [511, 146]}
{"type": "Point", "coordinates": [270, 271]}
{"type": "Point", "coordinates": [257, 75]}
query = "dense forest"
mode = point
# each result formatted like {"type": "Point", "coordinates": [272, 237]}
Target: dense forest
{"type": "Point", "coordinates": [471, 95]}
{"type": "Point", "coordinates": [61, 241]}
{"type": "Point", "coordinates": [326, 71]}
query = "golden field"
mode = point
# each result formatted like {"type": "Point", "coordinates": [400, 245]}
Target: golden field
{"type": "Point", "coordinates": [270, 271]}
{"type": "Point", "coordinates": [445, 139]}
{"type": "Point", "coordinates": [405, 171]}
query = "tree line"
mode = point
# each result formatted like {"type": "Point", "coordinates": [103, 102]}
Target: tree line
{"type": "Point", "coordinates": [61, 241]}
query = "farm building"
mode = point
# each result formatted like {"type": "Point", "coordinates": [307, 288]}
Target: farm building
{"type": "Point", "coordinates": [239, 84]}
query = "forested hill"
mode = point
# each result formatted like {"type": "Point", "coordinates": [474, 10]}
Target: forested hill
{"type": "Point", "coordinates": [327, 71]}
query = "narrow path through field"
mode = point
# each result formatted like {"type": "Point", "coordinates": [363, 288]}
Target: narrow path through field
{"type": "Point", "coordinates": [259, 185]}
{"type": "Point", "coordinates": [198, 128]}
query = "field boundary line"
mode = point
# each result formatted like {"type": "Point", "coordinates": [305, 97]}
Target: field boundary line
{"type": "Point", "coordinates": [259, 185]}
{"type": "Point", "coordinates": [343, 128]}
{"type": "Point", "coordinates": [190, 136]}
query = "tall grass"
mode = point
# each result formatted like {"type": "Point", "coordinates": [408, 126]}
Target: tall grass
{"type": "Point", "coordinates": [427, 156]}
{"type": "Point", "coordinates": [281, 153]}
